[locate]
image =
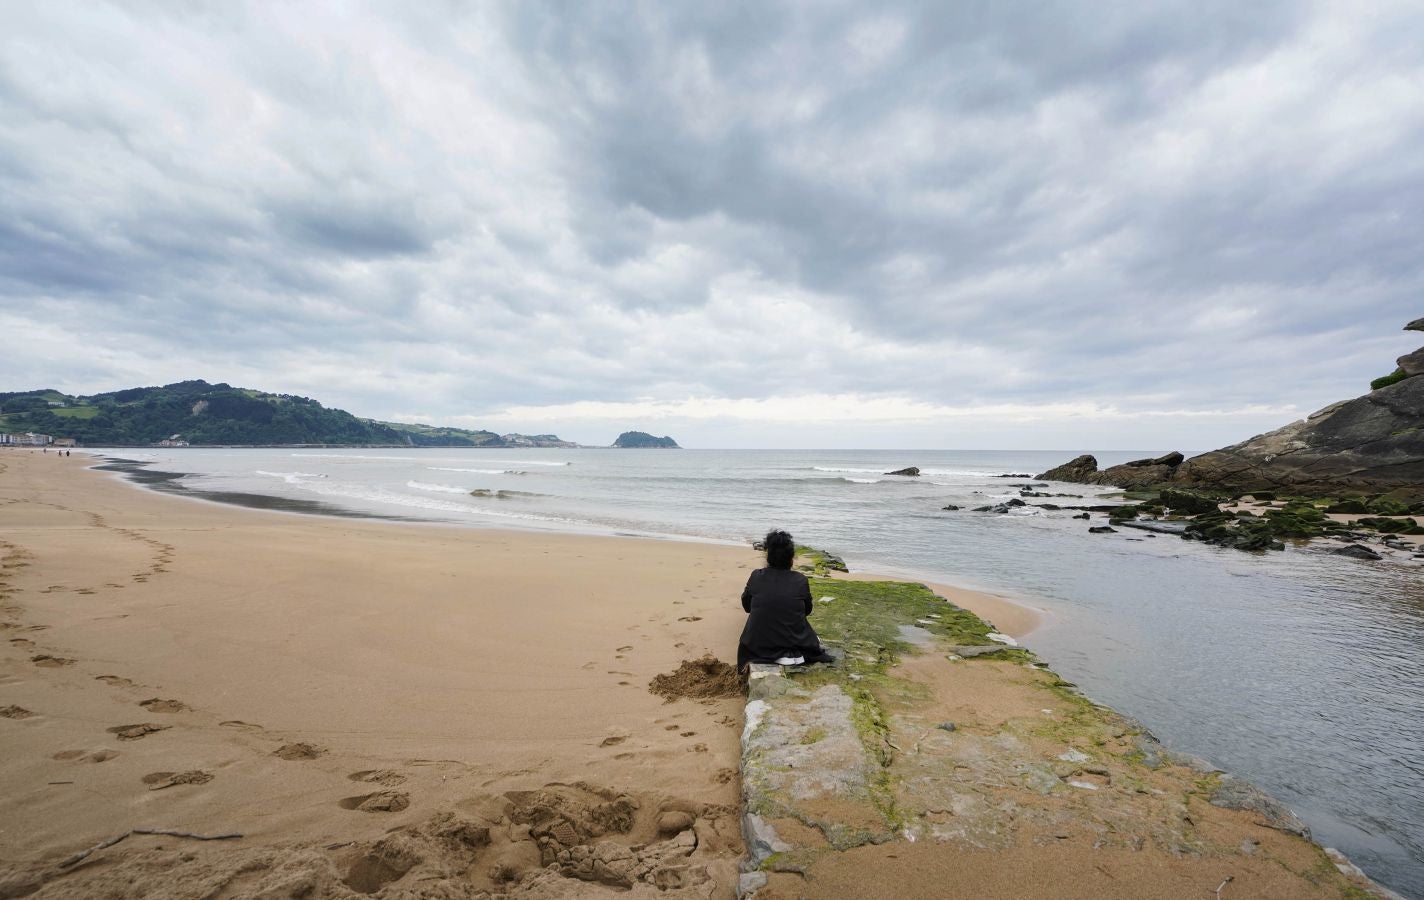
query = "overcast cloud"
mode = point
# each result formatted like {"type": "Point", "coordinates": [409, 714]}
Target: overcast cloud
{"type": "Point", "coordinates": [876, 225]}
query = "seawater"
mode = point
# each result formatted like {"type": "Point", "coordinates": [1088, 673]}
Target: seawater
{"type": "Point", "coordinates": [1300, 671]}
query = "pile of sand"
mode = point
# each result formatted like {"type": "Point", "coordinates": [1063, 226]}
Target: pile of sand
{"type": "Point", "coordinates": [699, 679]}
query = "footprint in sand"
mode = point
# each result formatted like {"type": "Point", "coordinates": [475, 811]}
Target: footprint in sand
{"type": "Point", "coordinates": [689, 618]}
{"type": "Point", "coordinates": [613, 741]}
{"type": "Point", "coordinates": [671, 727]}
{"type": "Point", "coordinates": [97, 756]}
{"type": "Point", "coordinates": [385, 777]}
{"type": "Point", "coordinates": [240, 725]}
{"type": "Point", "coordinates": [114, 680]}
{"type": "Point", "coordinates": [688, 734]}
{"type": "Point", "coordinates": [134, 732]}
{"type": "Point", "coordinates": [45, 661]}
{"type": "Point", "coordinates": [22, 642]}
{"type": "Point", "coordinates": [14, 712]}
{"type": "Point", "coordinates": [157, 781]}
{"type": "Point", "coordinates": [381, 801]}
{"type": "Point", "coordinates": [623, 649]}
{"type": "Point", "coordinates": [164, 706]}
{"type": "Point", "coordinates": [299, 750]}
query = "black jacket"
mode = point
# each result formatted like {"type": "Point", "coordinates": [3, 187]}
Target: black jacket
{"type": "Point", "coordinates": [777, 602]}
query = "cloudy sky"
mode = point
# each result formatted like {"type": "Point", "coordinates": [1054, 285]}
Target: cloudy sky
{"type": "Point", "coordinates": [963, 225]}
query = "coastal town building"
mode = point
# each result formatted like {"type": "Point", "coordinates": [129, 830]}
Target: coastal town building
{"type": "Point", "coordinates": [65, 442]}
{"type": "Point", "coordinates": [173, 440]}
{"type": "Point", "coordinates": [26, 439]}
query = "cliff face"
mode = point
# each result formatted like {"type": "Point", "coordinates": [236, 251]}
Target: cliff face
{"type": "Point", "coordinates": [1372, 444]}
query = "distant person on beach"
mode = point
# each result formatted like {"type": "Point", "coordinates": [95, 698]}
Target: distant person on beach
{"type": "Point", "coordinates": [777, 601]}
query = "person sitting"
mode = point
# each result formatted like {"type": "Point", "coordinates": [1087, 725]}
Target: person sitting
{"type": "Point", "coordinates": [777, 601]}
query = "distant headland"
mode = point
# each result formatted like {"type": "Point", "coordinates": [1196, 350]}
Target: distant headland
{"type": "Point", "coordinates": [196, 413]}
{"type": "Point", "coordinates": [641, 440]}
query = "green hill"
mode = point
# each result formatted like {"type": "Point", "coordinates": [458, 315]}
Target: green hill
{"type": "Point", "coordinates": [641, 440]}
{"type": "Point", "coordinates": [202, 413]}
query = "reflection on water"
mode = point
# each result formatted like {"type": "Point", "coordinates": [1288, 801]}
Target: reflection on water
{"type": "Point", "coordinates": [1298, 670]}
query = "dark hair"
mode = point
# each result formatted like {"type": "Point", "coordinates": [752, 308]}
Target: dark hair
{"type": "Point", "coordinates": [780, 549]}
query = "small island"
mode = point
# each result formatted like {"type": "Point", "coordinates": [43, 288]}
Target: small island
{"type": "Point", "coordinates": [641, 440]}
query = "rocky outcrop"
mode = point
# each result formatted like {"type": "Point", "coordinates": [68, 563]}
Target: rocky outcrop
{"type": "Point", "coordinates": [1370, 445]}
{"type": "Point", "coordinates": [1138, 473]}
{"type": "Point", "coordinates": [909, 470]}
{"type": "Point", "coordinates": [1373, 444]}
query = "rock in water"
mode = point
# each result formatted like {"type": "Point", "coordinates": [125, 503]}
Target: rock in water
{"type": "Point", "coordinates": [910, 470]}
{"type": "Point", "coordinates": [1356, 551]}
{"type": "Point", "coordinates": [1076, 470]}
{"type": "Point", "coordinates": [1102, 529]}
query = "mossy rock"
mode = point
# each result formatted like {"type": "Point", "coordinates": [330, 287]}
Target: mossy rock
{"type": "Point", "coordinates": [1387, 506]}
{"type": "Point", "coordinates": [1187, 502]}
{"type": "Point", "coordinates": [1353, 506]}
{"type": "Point", "coordinates": [1390, 526]}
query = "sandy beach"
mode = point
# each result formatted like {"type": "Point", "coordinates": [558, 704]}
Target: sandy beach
{"type": "Point", "coordinates": [356, 706]}
{"type": "Point", "coordinates": [314, 683]}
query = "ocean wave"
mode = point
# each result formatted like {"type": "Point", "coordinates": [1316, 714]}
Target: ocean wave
{"type": "Point", "coordinates": [502, 495]}
{"type": "Point", "coordinates": [845, 469]}
{"type": "Point", "coordinates": [370, 494]}
{"type": "Point", "coordinates": [290, 477]}
{"type": "Point", "coordinates": [961, 473]}
{"type": "Point", "coordinates": [348, 456]}
{"type": "Point", "coordinates": [529, 462]}
{"type": "Point", "coordinates": [437, 488]}
{"type": "Point", "coordinates": [478, 471]}
{"type": "Point", "coordinates": [860, 480]}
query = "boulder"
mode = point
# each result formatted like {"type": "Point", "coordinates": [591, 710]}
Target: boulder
{"type": "Point", "coordinates": [1187, 503]}
{"type": "Point", "coordinates": [1082, 516]}
{"type": "Point", "coordinates": [1077, 470]}
{"type": "Point", "coordinates": [951, 507]}
{"type": "Point", "coordinates": [910, 470]}
{"type": "Point", "coordinates": [1102, 529]}
{"type": "Point", "coordinates": [1416, 325]}
{"type": "Point", "coordinates": [1412, 363]}
{"type": "Point", "coordinates": [1139, 473]}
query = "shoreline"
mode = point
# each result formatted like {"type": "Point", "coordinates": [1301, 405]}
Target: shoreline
{"type": "Point", "coordinates": [1015, 618]}
{"type": "Point", "coordinates": [322, 682]}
